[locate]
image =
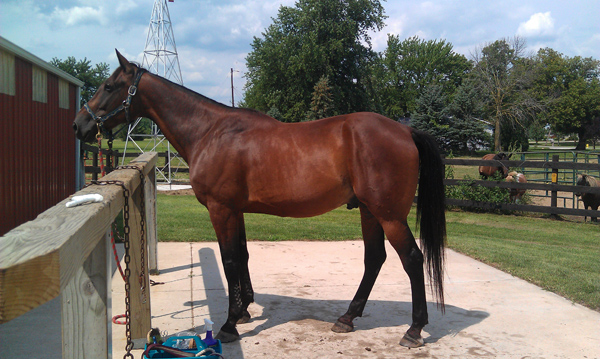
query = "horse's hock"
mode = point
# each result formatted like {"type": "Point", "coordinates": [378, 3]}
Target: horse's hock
{"type": "Point", "coordinates": [63, 253]}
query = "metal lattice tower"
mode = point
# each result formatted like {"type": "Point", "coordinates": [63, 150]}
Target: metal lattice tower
{"type": "Point", "coordinates": [160, 58]}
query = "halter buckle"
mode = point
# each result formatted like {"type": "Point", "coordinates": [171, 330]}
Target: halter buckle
{"type": "Point", "coordinates": [132, 90]}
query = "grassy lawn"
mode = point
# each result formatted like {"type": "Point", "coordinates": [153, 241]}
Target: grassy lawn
{"type": "Point", "coordinates": [560, 256]}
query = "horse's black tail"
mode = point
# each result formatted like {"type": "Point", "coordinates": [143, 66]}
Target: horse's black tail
{"type": "Point", "coordinates": [431, 215]}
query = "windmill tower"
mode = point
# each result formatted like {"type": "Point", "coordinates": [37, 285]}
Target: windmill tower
{"type": "Point", "coordinates": [160, 58]}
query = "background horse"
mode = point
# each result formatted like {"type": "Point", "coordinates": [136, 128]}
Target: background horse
{"type": "Point", "coordinates": [243, 161]}
{"type": "Point", "coordinates": [590, 200]}
{"type": "Point", "coordinates": [516, 193]}
{"type": "Point", "coordinates": [489, 171]}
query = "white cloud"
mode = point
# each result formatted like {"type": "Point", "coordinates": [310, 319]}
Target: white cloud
{"type": "Point", "coordinates": [538, 25]}
{"type": "Point", "coordinates": [79, 16]}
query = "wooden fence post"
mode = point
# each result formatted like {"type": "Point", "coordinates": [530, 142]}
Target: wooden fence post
{"type": "Point", "coordinates": [150, 195]}
{"type": "Point", "coordinates": [139, 283]}
{"type": "Point", "coordinates": [85, 307]}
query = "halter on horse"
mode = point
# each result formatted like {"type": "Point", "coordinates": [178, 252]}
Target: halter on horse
{"type": "Point", "coordinates": [243, 161]}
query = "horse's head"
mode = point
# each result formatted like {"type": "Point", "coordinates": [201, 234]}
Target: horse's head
{"type": "Point", "coordinates": [501, 156]}
{"type": "Point", "coordinates": [582, 180]}
{"type": "Point", "coordinates": [110, 104]}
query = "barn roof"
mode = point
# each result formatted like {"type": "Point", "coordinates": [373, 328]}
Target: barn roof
{"type": "Point", "coordinates": [24, 54]}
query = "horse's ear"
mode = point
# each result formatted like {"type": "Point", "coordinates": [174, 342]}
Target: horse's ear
{"type": "Point", "coordinates": [125, 65]}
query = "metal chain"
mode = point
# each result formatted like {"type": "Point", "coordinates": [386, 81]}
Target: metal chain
{"type": "Point", "coordinates": [142, 278]}
{"type": "Point", "coordinates": [127, 258]}
{"type": "Point", "coordinates": [126, 244]}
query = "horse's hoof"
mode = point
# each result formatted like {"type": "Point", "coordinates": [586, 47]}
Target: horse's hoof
{"type": "Point", "coordinates": [410, 342]}
{"type": "Point", "coordinates": [225, 337]}
{"type": "Point", "coordinates": [340, 327]}
{"type": "Point", "coordinates": [245, 318]}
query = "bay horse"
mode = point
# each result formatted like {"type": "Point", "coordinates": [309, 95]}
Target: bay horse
{"type": "Point", "coordinates": [490, 171]}
{"type": "Point", "coordinates": [243, 161]}
{"type": "Point", "coordinates": [516, 194]}
{"type": "Point", "coordinates": [590, 200]}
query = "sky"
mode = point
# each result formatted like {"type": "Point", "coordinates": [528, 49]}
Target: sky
{"type": "Point", "coordinates": [214, 36]}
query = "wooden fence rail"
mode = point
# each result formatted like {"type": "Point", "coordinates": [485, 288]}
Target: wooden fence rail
{"type": "Point", "coordinates": [554, 166]}
{"type": "Point", "coordinates": [65, 252]}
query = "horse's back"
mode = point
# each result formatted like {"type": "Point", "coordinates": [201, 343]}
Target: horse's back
{"type": "Point", "coordinates": [487, 170]}
{"type": "Point", "coordinates": [306, 169]}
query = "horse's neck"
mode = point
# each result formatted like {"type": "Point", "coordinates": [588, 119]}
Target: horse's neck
{"type": "Point", "coordinates": [182, 116]}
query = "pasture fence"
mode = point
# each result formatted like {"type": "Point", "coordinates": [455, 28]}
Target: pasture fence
{"type": "Point", "coordinates": [111, 158]}
{"type": "Point", "coordinates": [553, 186]}
{"type": "Point", "coordinates": [66, 253]}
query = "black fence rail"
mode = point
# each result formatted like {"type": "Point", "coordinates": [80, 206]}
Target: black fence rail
{"type": "Point", "coordinates": [554, 187]}
{"type": "Point", "coordinates": [91, 160]}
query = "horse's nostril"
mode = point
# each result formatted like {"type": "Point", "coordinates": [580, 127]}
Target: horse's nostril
{"type": "Point", "coordinates": [74, 126]}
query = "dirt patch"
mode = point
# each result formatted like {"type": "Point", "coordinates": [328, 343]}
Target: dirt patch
{"type": "Point", "coordinates": [179, 192]}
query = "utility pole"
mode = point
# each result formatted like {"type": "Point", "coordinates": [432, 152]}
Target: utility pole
{"type": "Point", "coordinates": [232, 101]}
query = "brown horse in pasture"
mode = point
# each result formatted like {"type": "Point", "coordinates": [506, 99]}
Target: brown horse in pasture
{"type": "Point", "coordinates": [490, 171]}
{"type": "Point", "coordinates": [243, 161]}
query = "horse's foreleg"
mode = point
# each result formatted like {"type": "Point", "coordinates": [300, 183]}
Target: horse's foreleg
{"type": "Point", "coordinates": [246, 284]}
{"type": "Point", "coordinates": [374, 258]}
{"type": "Point", "coordinates": [404, 243]}
{"type": "Point", "coordinates": [226, 225]}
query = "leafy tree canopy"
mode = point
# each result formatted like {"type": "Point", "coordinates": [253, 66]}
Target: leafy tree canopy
{"type": "Point", "coordinates": [504, 76]}
{"type": "Point", "coordinates": [92, 77]}
{"type": "Point", "coordinates": [411, 65]}
{"type": "Point", "coordinates": [314, 39]}
{"type": "Point", "coordinates": [570, 88]}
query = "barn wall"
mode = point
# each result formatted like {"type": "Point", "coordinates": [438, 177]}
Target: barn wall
{"type": "Point", "coordinates": [37, 144]}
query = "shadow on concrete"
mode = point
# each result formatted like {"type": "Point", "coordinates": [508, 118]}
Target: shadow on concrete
{"type": "Point", "coordinates": [280, 309]}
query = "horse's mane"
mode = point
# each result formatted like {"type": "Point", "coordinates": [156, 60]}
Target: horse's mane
{"type": "Point", "coordinates": [196, 94]}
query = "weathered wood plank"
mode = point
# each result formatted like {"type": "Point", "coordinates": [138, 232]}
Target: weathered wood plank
{"type": "Point", "coordinates": [84, 308]}
{"type": "Point", "coordinates": [139, 280]}
{"type": "Point", "coordinates": [48, 251]}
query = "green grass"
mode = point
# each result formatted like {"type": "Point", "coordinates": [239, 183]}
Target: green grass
{"type": "Point", "coordinates": [560, 256]}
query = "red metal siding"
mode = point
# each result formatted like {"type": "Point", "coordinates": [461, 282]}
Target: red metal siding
{"type": "Point", "coordinates": [37, 159]}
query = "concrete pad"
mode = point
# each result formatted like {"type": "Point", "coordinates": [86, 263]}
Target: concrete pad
{"type": "Point", "coordinates": [303, 287]}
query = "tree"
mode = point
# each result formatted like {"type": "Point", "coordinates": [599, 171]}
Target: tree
{"type": "Point", "coordinates": [320, 106]}
{"type": "Point", "coordinates": [92, 77]}
{"type": "Point", "coordinates": [409, 66]}
{"type": "Point", "coordinates": [467, 132]}
{"type": "Point", "coordinates": [503, 76]}
{"type": "Point", "coordinates": [314, 39]}
{"type": "Point", "coordinates": [455, 124]}
{"type": "Point", "coordinates": [431, 114]}
{"type": "Point", "coordinates": [571, 89]}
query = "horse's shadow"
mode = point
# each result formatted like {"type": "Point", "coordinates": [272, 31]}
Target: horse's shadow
{"type": "Point", "coordinates": [275, 310]}
{"type": "Point", "coordinates": [278, 310]}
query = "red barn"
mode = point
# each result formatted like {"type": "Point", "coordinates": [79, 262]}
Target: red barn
{"type": "Point", "coordinates": [39, 163]}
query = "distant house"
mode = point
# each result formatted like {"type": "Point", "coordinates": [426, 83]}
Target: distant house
{"type": "Point", "coordinates": [38, 151]}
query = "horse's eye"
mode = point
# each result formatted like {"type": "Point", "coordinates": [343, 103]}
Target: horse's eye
{"type": "Point", "coordinates": [108, 88]}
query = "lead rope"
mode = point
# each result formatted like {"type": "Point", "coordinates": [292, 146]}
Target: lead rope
{"type": "Point", "coordinates": [100, 157]}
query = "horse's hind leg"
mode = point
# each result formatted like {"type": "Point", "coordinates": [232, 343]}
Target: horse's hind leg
{"type": "Point", "coordinates": [374, 258]}
{"type": "Point", "coordinates": [404, 243]}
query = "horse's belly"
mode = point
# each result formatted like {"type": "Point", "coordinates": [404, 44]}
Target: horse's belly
{"type": "Point", "coordinates": [299, 198]}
